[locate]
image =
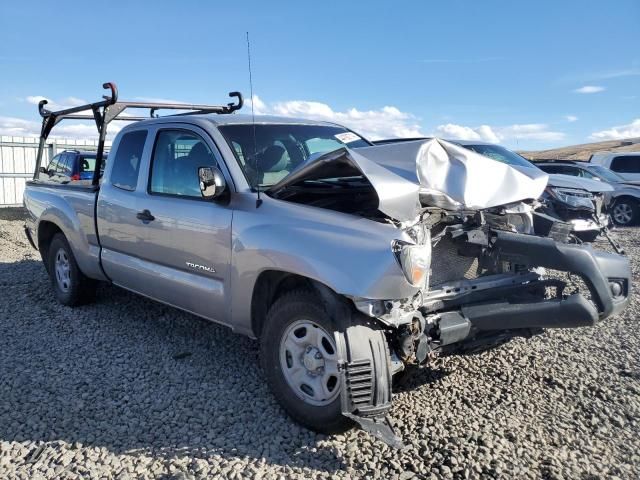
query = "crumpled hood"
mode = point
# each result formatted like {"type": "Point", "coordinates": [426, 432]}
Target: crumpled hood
{"type": "Point", "coordinates": [400, 173]}
{"type": "Point", "coordinates": [397, 197]}
{"type": "Point", "coordinates": [569, 181]}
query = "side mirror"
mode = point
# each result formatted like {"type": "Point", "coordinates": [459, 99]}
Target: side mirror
{"type": "Point", "coordinates": [212, 182]}
{"type": "Point", "coordinates": [44, 170]}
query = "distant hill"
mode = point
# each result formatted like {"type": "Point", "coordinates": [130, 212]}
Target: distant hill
{"type": "Point", "coordinates": [584, 151]}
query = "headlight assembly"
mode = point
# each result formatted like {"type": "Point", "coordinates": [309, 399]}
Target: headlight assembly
{"type": "Point", "coordinates": [415, 261]}
{"type": "Point", "coordinates": [574, 198]}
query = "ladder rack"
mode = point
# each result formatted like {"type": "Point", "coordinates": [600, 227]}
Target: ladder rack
{"type": "Point", "coordinates": [108, 109]}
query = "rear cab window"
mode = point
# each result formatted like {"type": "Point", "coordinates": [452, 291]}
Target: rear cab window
{"type": "Point", "coordinates": [126, 163]}
{"type": "Point", "coordinates": [626, 164]}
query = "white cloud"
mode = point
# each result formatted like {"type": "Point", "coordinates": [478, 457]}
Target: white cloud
{"type": "Point", "coordinates": [259, 105]}
{"type": "Point", "coordinates": [386, 122]}
{"type": "Point", "coordinates": [499, 134]}
{"type": "Point", "coordinates": [589, 89]}
{"type": "Point", "coordinates": [461, 132]}
{"type": "Point", "coordinates": [60, 104]}
{"type": "Point", "coordinates": [620, 132]}
{"type": "Point", "coordinates": [18, 127]}
{"type": "Point", "coordinates": [571, 118]}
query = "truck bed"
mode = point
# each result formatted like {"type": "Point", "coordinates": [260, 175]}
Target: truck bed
{"type": "Point", "coordinates": [74, 206]}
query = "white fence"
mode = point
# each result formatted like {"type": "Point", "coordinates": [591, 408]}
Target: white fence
{"type": "Point", "coordinates": [18, 160]}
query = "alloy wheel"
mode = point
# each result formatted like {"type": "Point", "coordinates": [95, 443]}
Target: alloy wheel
{"type": "Point", "coordinates": [623, 213]}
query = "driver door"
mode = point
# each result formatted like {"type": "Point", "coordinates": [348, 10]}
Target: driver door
{"type": "Point", "coordinates": [187, 239]}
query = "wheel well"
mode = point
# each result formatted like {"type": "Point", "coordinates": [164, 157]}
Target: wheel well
{"type": "Point", "coordinates": [271, 284]}
{"type": "Point", "coordinates": [46, 232]}
{"type": "Point", "coordinates": [628, 198]}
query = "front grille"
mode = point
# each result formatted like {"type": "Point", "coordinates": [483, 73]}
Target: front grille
{"type": "Point", "coordinates": [448, 265]}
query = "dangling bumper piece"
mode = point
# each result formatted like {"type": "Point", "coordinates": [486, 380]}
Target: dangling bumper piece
{"type": "Point", "coordinates": [365, 377]}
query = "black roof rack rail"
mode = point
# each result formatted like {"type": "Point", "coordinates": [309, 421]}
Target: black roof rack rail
{"type": "Point", "coordinates": [108, 109]}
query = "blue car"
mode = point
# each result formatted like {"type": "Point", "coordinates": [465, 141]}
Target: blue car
{"type": "Point", "coordinates": [72, 166]}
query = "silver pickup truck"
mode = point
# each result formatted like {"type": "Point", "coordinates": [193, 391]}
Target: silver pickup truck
{"type": "Point", "coordinates": [351, 263]}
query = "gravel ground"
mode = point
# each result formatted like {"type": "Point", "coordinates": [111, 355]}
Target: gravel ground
{"type": "Point", "coordinates": [127, 388]}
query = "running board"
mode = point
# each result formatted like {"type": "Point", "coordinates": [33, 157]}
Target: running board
{"type": "Point", "coordinates": [365, 380]}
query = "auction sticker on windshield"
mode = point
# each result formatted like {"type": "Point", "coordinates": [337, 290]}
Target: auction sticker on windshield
{"type": "Point", "coordinates": [347, 137]}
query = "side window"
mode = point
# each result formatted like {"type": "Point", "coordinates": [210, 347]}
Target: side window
{"type": "Point", "coordinates": [126, 163]}
{"type": "Point", "coordinates": [53, 164]}
{"type": "Point", "coordinates": [177, 155]}
{"type": "Point", "coordinates": [65, 165]}
{"type": "Point", "coordinates": [575, 172]}
{"type": "Point", "coordinates": [626, 164]}
{"type": "Point", "coordinates": [561, 169]}
{"type": "Point", "coordinates": [586, 174]}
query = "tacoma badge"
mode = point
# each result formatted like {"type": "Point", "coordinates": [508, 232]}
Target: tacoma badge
{"type": "Point", "coordinates": [201, 267]}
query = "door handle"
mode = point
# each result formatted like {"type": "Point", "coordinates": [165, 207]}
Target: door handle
{"type": "Point", "coordinates": [145, 216]}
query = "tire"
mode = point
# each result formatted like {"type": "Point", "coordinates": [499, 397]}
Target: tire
{"type": "Point", "coordinates": [291, 316]}
{"type": "Point", "coordinates": [70, 285]}
{"type": "Point", "coordinates": [625, 212]}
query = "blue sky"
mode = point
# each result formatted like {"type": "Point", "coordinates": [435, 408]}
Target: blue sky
{"type": "Point", "coordinates": [527, 74]}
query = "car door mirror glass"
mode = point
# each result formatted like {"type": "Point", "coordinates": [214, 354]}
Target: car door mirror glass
{"type": "Point", "coordinates": [212, 182]}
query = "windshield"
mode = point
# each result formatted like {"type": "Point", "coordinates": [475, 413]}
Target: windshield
{"type": "Point", "coordinates": [280, 148]}
{"type": "Point", "coordinates": [500, 154]}
{"type": "Point", "coordinates": [604, 173]}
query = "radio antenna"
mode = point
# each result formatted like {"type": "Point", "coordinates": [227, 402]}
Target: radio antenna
{"type": "Point", "coordinates": [253, 123]}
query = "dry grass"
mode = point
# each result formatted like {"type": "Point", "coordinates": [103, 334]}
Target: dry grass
{"type": "Point", "coordinates": [585, 150]}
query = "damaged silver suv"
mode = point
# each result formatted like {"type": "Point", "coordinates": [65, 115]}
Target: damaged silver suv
{"type": "Point", "coordinates": [349, 262]}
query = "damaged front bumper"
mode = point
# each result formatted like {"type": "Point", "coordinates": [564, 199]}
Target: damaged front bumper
{"type": "Point", "coordinates": [486, 310]}
{"type": "Point", "coordinates": [524, 305]}
{"type": "Point", "coordinates": [607, 275]}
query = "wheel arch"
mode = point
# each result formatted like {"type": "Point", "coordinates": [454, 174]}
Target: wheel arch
{"type": "Point", "coordinates": [46, 231]}
{"type": "Point", "coordinates": [627, 197]}
{"type": "Point", "coordinates": [272, 284]}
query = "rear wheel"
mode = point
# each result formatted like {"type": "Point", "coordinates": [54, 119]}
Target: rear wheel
{"type": "Point", "coordinates": [625, 212]}
{"type": "Point", "coordinates": [300, 360]}
{"type": "Point", "coordinates": [70, 285]}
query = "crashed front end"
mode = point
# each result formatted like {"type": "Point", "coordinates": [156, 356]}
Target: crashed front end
{"type": "Point", "coordinates": [478, 271]}
{"type": "Point", "coordinates": [586, 211]}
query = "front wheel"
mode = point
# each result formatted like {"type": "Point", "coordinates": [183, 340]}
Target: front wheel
{"type": "Point", "coordinates": [300, 361]}
{"type": "Point", "coordinates": [625, 212]}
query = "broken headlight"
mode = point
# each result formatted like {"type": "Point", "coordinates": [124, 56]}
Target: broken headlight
{"type": "Point", "coordinates": [415, 261]}
{"type": "Point", "coordinates": [521, 222]}
{"type": "Point", "coordinates": [572, 197]}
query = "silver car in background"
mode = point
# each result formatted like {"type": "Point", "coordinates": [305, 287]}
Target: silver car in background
{"type": "Point", "coordinates": [624, 198]}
